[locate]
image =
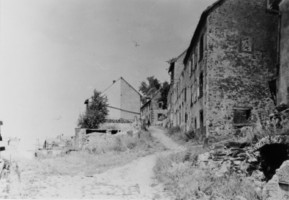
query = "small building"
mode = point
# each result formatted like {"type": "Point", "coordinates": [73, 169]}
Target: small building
{"type": "Point", "coordinates": [153, 112]}
{"type": "Point", "coordinates": [220, 83]}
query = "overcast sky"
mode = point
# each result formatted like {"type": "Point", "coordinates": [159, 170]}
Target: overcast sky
{"type": "Point", "coordinates": [55, 52]}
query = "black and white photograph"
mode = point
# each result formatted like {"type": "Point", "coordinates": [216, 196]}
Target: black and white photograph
{"type": "Point", "coordinates": [144, 99]}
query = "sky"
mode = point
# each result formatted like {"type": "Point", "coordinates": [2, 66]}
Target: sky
{"type": "Point", "coordinates": [54, 53]}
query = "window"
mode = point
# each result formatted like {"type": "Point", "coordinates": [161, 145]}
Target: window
{"type": "Point", "coordinates": [195, 59]}
{"type": "Point", "coordinates": [160, 105]}
{"type": "Point", "coordinates": [195, 123]}
{"type": "Point", "coordinates": [186, 118]}
{"type": "Point", "coordinates": [201, 118]}
{"type": "Point", "coordinates": [201, 83]}
{"type": "Point", "coordinates": [201, 48]}
{"type": "Point", "coordinates": [241, 116]}
{"type": "Point", "coordinates": [192, 97]}
{"type": "Point", "coordinates": [161, 117]}
{"type": "Point", "coordinates": [185, 94]}
{"type": "Point", "coordinates": [273, 89]}
{"type": "Point", "coordinates": [246, 44]}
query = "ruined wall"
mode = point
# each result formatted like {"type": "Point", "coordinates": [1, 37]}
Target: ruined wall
{"type": "Point", "coordinates": [130, 101]}
{"type": "Point", "coordinates": [283, 92]}
{"type": "Point", "coordinates": [242, 55]}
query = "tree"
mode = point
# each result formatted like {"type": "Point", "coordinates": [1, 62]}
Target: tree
{"type": "Point", "coordinates": [95, 113]}
{"type": "Point", "coordinates": [151, 87]}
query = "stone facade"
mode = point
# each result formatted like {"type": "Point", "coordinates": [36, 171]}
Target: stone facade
{"type": "Point", "coordinates": [176, 92]}
{"type": "Point", "coordinates": [152, 112]}
{"type": "Point", "coordinates": [283, 92]}
{"type": "Point", "coordinates": [226, 69]}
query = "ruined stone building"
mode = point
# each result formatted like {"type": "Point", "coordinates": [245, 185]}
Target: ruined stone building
{"type": "Point", "coordinates": [153, 111]}
{"type": "Point", "coordinates": [124, 101]}
{"type": "Point", "coordinates": [283, 86]}
{"type": "Point", "coordinates": [220, 83]}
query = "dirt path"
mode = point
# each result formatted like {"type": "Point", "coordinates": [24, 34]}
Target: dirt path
{"type": "Point", "coordinates": [132, 181]}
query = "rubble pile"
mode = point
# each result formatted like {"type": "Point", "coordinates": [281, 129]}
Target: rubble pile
{"type": "Point", "coordinates": [239, 157]}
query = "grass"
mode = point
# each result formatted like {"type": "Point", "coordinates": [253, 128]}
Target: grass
{"type": "Point", "coordinates": [184, 180]}
{"type": "Point", "coordinates": [103, 154]}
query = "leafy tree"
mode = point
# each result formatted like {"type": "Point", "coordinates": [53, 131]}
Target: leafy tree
{"type": "Point", "coordinates": [95, 113]}
{"type": "Point", "coordinates": [150, 87]}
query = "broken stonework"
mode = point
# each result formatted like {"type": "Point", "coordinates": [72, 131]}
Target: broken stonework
{"type": "Point", "coordinates": [278, 186]}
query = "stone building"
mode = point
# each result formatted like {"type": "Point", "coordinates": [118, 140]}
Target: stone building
{"type": "Point", "coordinates": [153, 111]}
{"type": "Point", "coordinates": [283, 89]}
{"type": "Point", "coordinates": [223, 84]}
{"type": "Point", "coordinates": [124, 101]}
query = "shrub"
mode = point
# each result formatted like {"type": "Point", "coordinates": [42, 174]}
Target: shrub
{"type": "Point", "coordinates": [185, 181]}
{"type": "Point", "coordinates": [95, 113]}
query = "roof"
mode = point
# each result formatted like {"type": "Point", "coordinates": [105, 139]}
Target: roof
{"type": "Point", "coordinates": [202, 20]}
{"type": "Point", "coordinates": [131, 86]}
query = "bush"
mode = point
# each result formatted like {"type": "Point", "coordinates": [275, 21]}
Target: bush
{"type": "Point", "coordinates": [185, 181]}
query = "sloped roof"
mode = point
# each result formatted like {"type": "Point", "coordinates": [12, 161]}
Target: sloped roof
{"type": "Point", "coordinates": [131, 86]}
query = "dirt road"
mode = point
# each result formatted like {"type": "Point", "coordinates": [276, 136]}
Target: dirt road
{"type": "Point", "coordinates": [132, 181]}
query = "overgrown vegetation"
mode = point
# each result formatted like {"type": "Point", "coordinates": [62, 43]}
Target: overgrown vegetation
{"type": "Point", "coordinates": [104, 154]}
{"type": "Point", "coordinates": [151, 86]}
{"type": "Point", "coordinates": [95, 113]}
{"type": "Point", "coordinates": [183, 180]}
{"type": "Point", "coordinates": [182, 137]}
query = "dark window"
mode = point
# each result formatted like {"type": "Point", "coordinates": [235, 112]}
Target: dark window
{"type": "Point", "coordinates": [186, 118]}
{"type": "Point", "coordinates": [195, 123]}
{"type": "Point", "coordinates": [241, 116]}
{"type": "Point", "coordinates": [273, 4]}
{"type": "Point", "coordinates": [201, 83]}
{"type": "Point", "coordinates": [201, 118]}
{"type": "Point", "coordinates": [201, 48]}
{"type": "Point", "coordinates": [160, 117]}
{"type": "Point", "coordinates": [273, 90]}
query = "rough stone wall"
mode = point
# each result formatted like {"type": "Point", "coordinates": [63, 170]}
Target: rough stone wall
{"type": "Point", "coordinates": [130, 101]}
{"type": "Point", "coordinates": [242, 57]}
{"type": "Point", "coordinates": [283, 92]}
{"type": "Point", "coordinates": [198, 99]}
{"type": "Point", "coordinates": [177, 97]}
